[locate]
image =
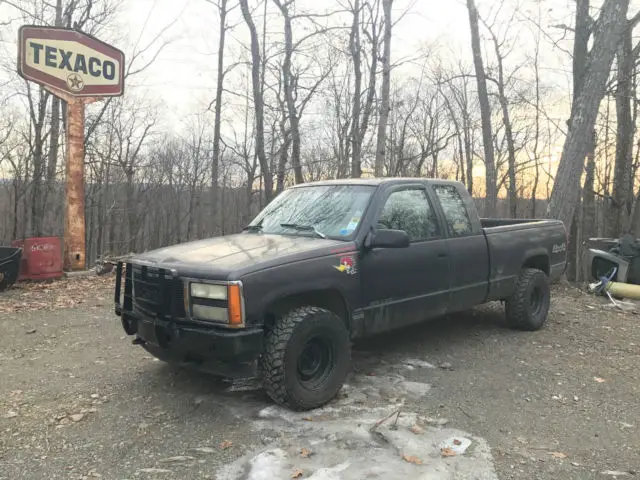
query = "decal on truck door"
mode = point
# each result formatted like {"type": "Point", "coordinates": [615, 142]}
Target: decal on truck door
{"type": "Point", "coordinates": [347, 265]}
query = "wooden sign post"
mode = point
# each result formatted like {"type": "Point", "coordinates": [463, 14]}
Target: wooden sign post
{"type": "Point", "coordinates": [78, 69]}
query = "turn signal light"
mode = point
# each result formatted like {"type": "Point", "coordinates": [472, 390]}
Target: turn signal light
{"type": "Point", "coordinates": [235, 306]}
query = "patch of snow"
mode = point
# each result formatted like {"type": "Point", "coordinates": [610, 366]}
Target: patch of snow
{"type": "Point", "coordinates": [272, 411]}
{"type": "Point", "coordinates": [349, 441]}
{"type": "Point", "coordinates": [415, 388]}
{"type": "Point", "coordinates": [458, 444]}
{"type": "Point", "coordinates": [349, 449]}
{"type": "Point", "coordinates": [268, 465]}
{"type": "Point", "coordinates": [417, 363]}
{"type": "Point", "coordinates": [333, 473]}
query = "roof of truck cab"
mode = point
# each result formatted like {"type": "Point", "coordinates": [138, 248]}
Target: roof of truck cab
{"type": "Point", "coordinates": [374, 181]}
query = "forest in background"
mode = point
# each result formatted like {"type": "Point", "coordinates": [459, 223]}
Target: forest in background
{"type": "Point", "coordinates": [303, 93]}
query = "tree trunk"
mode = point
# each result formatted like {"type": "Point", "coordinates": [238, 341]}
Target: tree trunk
{"type": "Point", "coordinates": [588, 193]}
{"type": "Point", "coordinates": [215, 161]}
{"type": "Point", "coordinates": [16, 202]}
{"type": "Point", "coordinates": [289, 86]}
{"type": "Point", "coordinates": [283, 157]}
{"type": "Point", "coordinates": [258, 101]}
{"type": "Point", "coordinates": [491, 193]}
{"type": "Point", "coordinates": [618, 215]}
{"type": "Point", "coordinates": [354, 48]}
{"type": "Point", "coordinates": [386, 83]}
{"type": "Point", "coordinates": [38, 115]}
{"type": "Point", "coordinates": [513, 193]}
{"type": "Point", "coordinates": [572, 251]}
{"type": "Point", "coordinates": [468, 153]}
{"type": "Point", "coordinates": [367, 108]}
{"type": "Point", "coordinates": [508, 131]}
{"type": "Point", "coordinates": [131, 211]}
{"type": "Point", "coordinates": [54, 132]}
{"type": "Point", "coordinates": [36, 184]}
{"type": "Point", "coordinates": [607, 31]}
{"type": "Point", "coordinates": [536, 140]}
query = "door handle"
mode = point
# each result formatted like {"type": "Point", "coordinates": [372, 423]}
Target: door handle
{"type": "Point", "coordinates": [442, 255]}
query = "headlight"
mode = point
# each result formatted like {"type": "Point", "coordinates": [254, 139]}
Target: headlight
{"type": "Point", "coordinates": [206, 312]}
{"type": "Point", "coordinates": [207, 290]}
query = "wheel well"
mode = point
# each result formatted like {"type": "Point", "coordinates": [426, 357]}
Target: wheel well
{"type": "Point", "coordinates": [539, 262]}
{"type": "Point", "coordinates": [330, 299]}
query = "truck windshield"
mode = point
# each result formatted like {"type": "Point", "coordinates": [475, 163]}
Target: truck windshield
{"type": "Point", "coordinates": [332, 211]}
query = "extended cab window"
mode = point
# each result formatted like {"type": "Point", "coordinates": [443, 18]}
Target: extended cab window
{"type": "Point", "coordinates": [455, 210]}
{"type": "Point", "coordinates": [410, 210]}
{"type": "Point", "coordinates": [333, 211]}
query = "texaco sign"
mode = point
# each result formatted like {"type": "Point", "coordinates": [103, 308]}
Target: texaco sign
{"type": "Point", "coordinates": [70, 61]}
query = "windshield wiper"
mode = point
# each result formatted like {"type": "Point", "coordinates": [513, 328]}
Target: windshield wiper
{"type": "Point", "coordinates": [304, 228]}
{"type": "Point", "coordinates": [253, 228]}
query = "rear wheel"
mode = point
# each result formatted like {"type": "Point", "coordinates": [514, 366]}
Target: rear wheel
{"type": "Point", "coordinates": [306, 359]}
{"type": "Point", "coordinates": [528, 306]}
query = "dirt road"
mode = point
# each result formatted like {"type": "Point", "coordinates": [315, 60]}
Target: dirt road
{"type": "Point", "coordinates": [77, 400]}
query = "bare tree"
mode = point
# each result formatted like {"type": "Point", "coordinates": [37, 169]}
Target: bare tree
{"type": "Point", "coordinates": [341, 118]}
{"type": "Point", "coordinates": [292, 86]}
{"type": "Point", "coordinates": [502, 83]}
{"type": "Point", "coordinates": [54, 129]}
{"type": "Point", "coordinates": [217, 121]}
{"type": "Point", "coordinates": [622, 202]}
{"type": "Point", "coordinates": [366, 21]}
{"type": "Point", "coordinates": [258, 100]}
{"type": "Point", "coordinates": [355, 49]}
{"type": "Point", "coordinates": [131, 128]}
{"type": "Point", "coordinates": [288, 83]}
{"type": "Point", "coordinates": [607, 31]}
{"type": "Point", "coordinates": [535, 151]}
{"type": "Point", "coordinates": [458, 89]}
{"type": "Point", "coordinates": [485, 110]}
{"type": "Point", "coordinates": [386, 82]}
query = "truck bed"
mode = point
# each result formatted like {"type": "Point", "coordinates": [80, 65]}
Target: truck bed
{"type": "Point", "coordinates": [512, 242]}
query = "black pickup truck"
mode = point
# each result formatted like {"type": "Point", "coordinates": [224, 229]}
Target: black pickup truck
{"type": "Point", "coordinates": [328, 262]}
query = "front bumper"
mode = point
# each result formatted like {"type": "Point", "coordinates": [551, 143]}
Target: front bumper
{"type": "Point", "coordinates": [229, 354]}
{"type": "Point", "coordinates": [171, 338]}
{"type": "Point", "coordinates": [186, 340]}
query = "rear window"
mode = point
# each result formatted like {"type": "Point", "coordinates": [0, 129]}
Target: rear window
{"type": "Point", "coordinates": [455, 211]}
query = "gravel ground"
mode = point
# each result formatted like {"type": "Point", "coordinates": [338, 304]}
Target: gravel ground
{"type": "Point", "coordinates": [77, 400]}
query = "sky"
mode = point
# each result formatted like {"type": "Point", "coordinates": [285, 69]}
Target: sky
{"type": "Point", "coordinates": [184, 74]}
{"type": "Point", "coordinates": [182, 78]}
{"type": "Point", "coordinates": [180, 82]}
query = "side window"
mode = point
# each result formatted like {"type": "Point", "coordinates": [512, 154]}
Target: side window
{"type": "Point", "coordinates": [455, 210]}
{"type": "Point", "coordinates": [410, 210]}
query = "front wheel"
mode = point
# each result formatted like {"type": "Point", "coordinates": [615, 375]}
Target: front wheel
{"type": "Point", "coordinates": [306, 359]}
{"type": "Point", "coordinates": [528, 306]}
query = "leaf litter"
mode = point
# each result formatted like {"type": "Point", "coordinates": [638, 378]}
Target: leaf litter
{"type": "Point", "coordinates": [56, 294]}
{"type": "Point", "coordinates": [411, 459]}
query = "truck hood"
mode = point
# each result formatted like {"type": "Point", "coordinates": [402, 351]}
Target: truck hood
{"type": "Point", "coordinates": [235, 255]}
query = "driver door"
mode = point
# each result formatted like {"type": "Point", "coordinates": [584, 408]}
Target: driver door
{"type": "Point", "coordinates": [402, 286]}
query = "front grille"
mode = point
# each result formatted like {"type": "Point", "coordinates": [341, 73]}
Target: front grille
{"type": "Point", "coordinates": [157, 292]}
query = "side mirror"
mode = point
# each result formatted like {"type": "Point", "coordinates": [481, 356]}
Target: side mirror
{"type": "Point", "coordinates": [385, 238]}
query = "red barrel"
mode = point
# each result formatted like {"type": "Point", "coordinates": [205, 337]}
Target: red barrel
{"type": "Point", "coordinates": [41, 258]}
